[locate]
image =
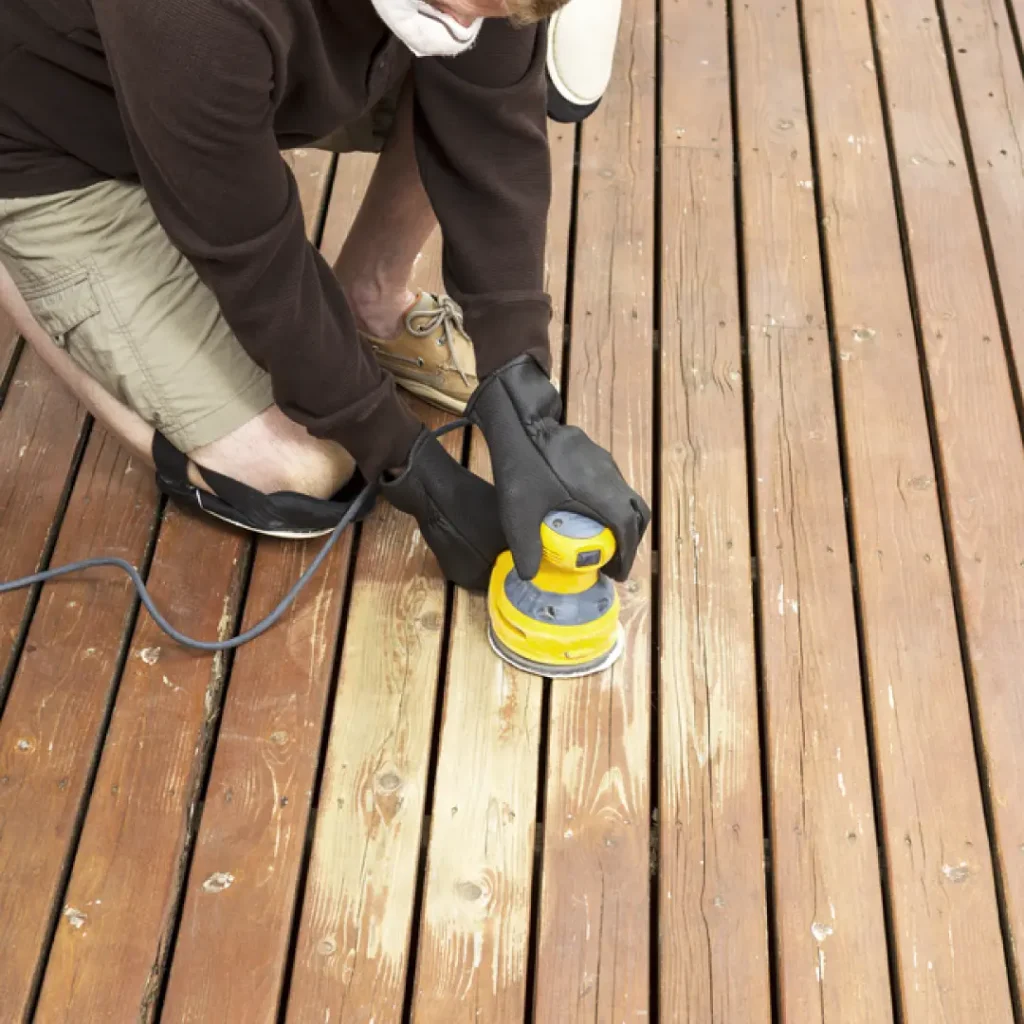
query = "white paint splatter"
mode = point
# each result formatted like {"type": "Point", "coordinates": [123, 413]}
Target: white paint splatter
{"type": "Point", "coordinates": [956, 873]}
{"type": "Point", "coordinates": [150, 655]}
{"type": "Point", "coordinates": [218, 881]}
{"type": "Point", "coordinates": [892, 698]}
{"type": "Point", "coordinates": [782, 600]}
{"type": "Point", "coordinates": [821, 931]}
{"type": "Point", "coordinates": [842, 785]}
{"type": "Point", "coordinates": [75, 918]}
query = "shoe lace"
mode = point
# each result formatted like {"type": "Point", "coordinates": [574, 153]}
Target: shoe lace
{"type": "Point", "coordinates": [448, 317]}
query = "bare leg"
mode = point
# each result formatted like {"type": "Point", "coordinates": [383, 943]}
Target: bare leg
{"type": "Point", "coordinates": [392, 226]}
{"type": "Point", "coordinates": [270, 452]}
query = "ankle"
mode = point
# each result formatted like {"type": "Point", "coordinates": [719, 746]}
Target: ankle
{"type": "Point", "coordinates": [379, 309]}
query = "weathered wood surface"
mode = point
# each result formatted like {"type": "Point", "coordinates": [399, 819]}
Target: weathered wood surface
{"type": "Point", "coordinates": [712, 901]}
{"type": "Point", "coordinates": [8, 348]}
{"type": "Point", "coordinates": [230, 959]}
{"type": "Point", "coordinates": [112, 940]}
{"type": "Point", "coordinates": [984, 54]}
{"type": "Point", "coordinates": [52, 728]}
{"type": "Point", "coordinates": [976, 423]}
{"type": "Point", "coordinates": [594, 946]}
{"type": "Point", "coordinates": [41, 428]}
{"type": "Point", "coordinates": [475, 935]}
{"type": "Point", "coordinates": [470, 860]}
{"type": "Point", "coordinates": [940, 884]}
{"type": "Point", "coordinates": [829, 926]}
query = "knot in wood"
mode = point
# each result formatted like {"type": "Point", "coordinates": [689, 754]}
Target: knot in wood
{"type": "Point", "coordinates": [389, 782]}
{"type": "Point", "coordinates": [469, 891]}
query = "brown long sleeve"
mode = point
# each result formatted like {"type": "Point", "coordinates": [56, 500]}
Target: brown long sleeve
{"type": "Point", "coordinates": [199, 96]}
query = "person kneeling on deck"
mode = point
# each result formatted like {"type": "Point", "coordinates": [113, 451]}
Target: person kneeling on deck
{"type": "Point", "coordinates": [154, 232]}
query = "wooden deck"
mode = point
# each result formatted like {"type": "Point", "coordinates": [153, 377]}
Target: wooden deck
{"type": "Point", "coordinates": [786, 259]}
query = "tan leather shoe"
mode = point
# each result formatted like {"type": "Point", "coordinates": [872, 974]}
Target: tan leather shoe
{"type": "Point", "coordinates": [432, 357]}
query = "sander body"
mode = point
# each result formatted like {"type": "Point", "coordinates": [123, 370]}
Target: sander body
{"type": "Point", "coordinates": [565, 621]}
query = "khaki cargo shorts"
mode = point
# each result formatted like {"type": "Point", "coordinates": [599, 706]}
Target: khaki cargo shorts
{"type": "Point", "coordinates": [104, 280]}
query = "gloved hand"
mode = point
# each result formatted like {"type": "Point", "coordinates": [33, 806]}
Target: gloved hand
{"type": "Point", "coordinates": [457, 512]}
{"type": "Point", "coordinates": [541, 466]}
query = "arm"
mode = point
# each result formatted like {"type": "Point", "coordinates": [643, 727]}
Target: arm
{"type": "Point", "coordinates": [482, 148]}
{"type": "Point", "coordinates": [195, 89]}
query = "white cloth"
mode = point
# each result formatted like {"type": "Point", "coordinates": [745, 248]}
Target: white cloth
{"type": "Point", "coordinates": [425, 30]}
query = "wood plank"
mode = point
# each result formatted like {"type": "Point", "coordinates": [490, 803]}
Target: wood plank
{"type": "Point", "coordinates": [594, 942]}
{"type": "Point", "coordinates": [353, 940]}
{"type": "Point", "coordinates": [53, 722]}
{"type": "Point", "coordinates": [312, 171]}
{"type": "Point", "coordinates": [712, 916]}
{"type": "Point", "coordinates": [8, 348]}
{"type": "Point", "coordinates": [40, 426]}
{"type": "Point", "coordinates": [110, 948]}
{"type": "Point", "coordinates": [947, 936]}
{"type": "Point", "coordinates": [829, 927]}
{"type": "Point", "coordinates": [232, 950]}
{"type": "Point", "coordinates": [231, 955]}
{"type": "Point", "coordinates": [475, 934]}
{"type": "Point", "coordinates": [987, 65]}
{"type": "Point", "coordinates": [978, 431]}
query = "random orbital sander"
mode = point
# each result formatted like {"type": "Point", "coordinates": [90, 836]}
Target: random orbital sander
{"type": "Point", "coordinates": [565, 621]}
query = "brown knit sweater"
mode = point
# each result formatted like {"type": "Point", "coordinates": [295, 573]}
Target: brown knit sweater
{"type": "Point", "coordinates": [195, 99]}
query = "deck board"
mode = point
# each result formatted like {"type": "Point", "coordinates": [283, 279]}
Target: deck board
{"type": "Point", "coordinates": [976, 425]}
{"type": "Point", "coordinates": [829, 923]}
{"type": "Point", "coordinates": [929, 796]}
{"type": "Point", "coordinates": [712, 902]}
{"type": "Point", "coordinates": [593, 930]}
{"type": "Point", "coordinates": [783, 284]}
{"type": "Point", "coordinates": [53, 726]}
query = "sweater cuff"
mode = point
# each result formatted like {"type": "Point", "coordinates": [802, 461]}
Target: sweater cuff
{"type": "Point", "coordinates": [378, 431]}
{"type": "Point", "coordinates": [504, 328]}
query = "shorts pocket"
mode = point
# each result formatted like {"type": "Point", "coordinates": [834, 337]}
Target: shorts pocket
{"type": "Point", "coordinates": [62, 306]}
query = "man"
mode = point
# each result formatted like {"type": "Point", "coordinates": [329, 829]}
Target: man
{"type": "Point", "coordinates": [155, 234]}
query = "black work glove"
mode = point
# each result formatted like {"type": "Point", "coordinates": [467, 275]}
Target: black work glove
{"type": "Point", "coordinates": [541, 466]}
{"type": "Point", "coordinates": [457, 512]}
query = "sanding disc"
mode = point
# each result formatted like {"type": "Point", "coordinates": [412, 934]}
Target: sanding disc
{"type": "Point", "coordinates": [559, 671]}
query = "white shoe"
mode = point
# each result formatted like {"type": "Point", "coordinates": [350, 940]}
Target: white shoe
{"type": "Point", "coordinates": [581, 52]}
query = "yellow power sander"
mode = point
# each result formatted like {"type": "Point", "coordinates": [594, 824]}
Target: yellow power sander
{"type": "Point", "coordinates": [565, 621]}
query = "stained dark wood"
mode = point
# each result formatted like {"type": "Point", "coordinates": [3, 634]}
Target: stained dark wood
{"type": "Point", "coordinates": [712, 899]}
{"type": "Point", "coordinates": [52, 727]}
{"type": "Point", "coordinates": [40, 425]}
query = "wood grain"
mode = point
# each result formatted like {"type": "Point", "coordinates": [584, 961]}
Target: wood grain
{"type": "Point", "coordinates": [231, 955]}
{"type": "Point", "coordinates": [829, 927]}
{"type": "Point", "coordinates": [8, 348]}
{"type": "Point", "coordinates": [713, 962]}
{"type": "Point", "coordinates": [947, 936]}
{"type": "Point", "coordinates": [53, 722]}
{"type": "Point", "coordinates": [232, 948]}
{"type": "Point", "coordinates": [111, 949]}
{"type": "Point", "coordinates": [474, 940]}
{"type": "Point", "coordinates": [594, 942]}
{"type": "Point", "coordinates": [978, 432]}
{"type": "Point", "coordinates": [40, 426]}
{"type": "Point", "coordinates": [111, 945]}
{"type": "Point", "coordinates": [354, 938]}
{"type": "Point", "coordinates": [985, 56]}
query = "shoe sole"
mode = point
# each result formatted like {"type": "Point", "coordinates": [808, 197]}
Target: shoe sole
{"type": "Point", "coordinates": [432, 396]}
